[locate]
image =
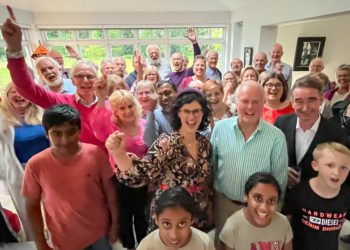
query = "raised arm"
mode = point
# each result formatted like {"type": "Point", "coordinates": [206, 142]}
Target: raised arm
{"type": "Point", "coordinates": [140, 65]}
{"type": "Point", "coordinates": [21, 78]}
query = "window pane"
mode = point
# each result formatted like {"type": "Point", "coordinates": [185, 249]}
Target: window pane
{"type": "Point", "coordinates": [115, 34]}
{"type": "Point", "coordinates": [203, 32]}
{"type": "Point", "coordinates": [66, 35]}
{"type": "Point", "coordinates": [4, 73]}
{"type": "Point", "coordinates": [217, 32]}
{"type": "Point", "coordinates": [174, 33]}
{"type": "Point", "coordinates": [126, 51]}
{"type": "Point", "coordinates": [83, 34]}
{"type": "Point", "coordinates": [97, 34]}
{"type": "Point", "coordinates": [95, 53]}
{"type": "Point", "coordinates": [145, 34]}
{"type": "Point", "coordinates": [127, 34]}
{"type": "Point", "coordinates": [156, 34]}
{"type": "Point", "coordinates": [52, 35]}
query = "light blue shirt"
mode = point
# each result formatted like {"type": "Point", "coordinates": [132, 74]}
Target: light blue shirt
{"type": "Point", "coordinates": [67, 88]}
{"type": "Point", "coordinates": [164, 68]}
{"type": "Point", "coordinates": [213, 74]}
{"type": "Point", "coordinates": [287, 72]}
{"type": "Point", "coordinates": [235, 159]}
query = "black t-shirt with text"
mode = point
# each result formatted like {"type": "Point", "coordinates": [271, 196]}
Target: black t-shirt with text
{"type": "Point", "coordinates": [316, 221]}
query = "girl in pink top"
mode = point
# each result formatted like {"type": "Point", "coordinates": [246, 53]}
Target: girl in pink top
{"type": "Point", "coordinates": [199, 68]}
{"type": "Point", "coordinates": [276, 93]}
{"type": "Point", "coordinates": [124, 115]}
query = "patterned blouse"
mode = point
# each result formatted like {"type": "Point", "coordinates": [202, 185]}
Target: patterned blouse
{"type": "Point", "coordinates": [168, 163]}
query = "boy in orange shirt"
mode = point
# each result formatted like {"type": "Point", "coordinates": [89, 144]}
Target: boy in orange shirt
{"type": "Point", "coordinates": [73, 180]}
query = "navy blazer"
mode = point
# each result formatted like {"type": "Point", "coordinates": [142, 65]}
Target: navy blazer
{"type": "Point", "coordinates": [328, 131]}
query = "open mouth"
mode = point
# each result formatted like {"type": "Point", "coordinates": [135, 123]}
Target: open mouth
{"type": "Point", "coordinates": [262, 214]}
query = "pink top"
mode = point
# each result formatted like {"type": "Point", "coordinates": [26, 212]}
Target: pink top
{"type": "Point", "coordinates": [37, 94]}
{"type": "Point", "coordinates": [185, 82]}
{"type": "Point", "coordinates": [72, 194]}
{"type": "Point", "coordinates": [270, 115]}
{"type": "Point", "coordinates": [133, 144]}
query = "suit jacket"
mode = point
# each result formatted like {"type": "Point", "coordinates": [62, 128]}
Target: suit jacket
{"type": "Point", "coordinates": [328, 131]}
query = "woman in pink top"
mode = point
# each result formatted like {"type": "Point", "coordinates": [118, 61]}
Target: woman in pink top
{"type": "Point", "coordinates": [276, 93]}
{"type": "Point", "coordinates": [124, 115]}
{"type": "Point", "coordinates": [199, 68]}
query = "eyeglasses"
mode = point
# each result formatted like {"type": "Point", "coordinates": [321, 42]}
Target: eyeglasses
{"type": "Point", "coordinates": [88, 77]}
{"type": "Point", "coordinates": [271, 85]}
{"type": "Point", "coordinates": [195, 112]}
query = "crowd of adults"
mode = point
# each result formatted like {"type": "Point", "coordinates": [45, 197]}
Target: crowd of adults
{"type": "Point", "coordinates": [166, 124]}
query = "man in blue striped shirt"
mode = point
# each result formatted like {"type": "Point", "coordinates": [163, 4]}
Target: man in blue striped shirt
{"type": "Point", "coordinates": [244, 145]}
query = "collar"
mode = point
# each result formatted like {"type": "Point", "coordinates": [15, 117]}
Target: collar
{"type": "Point", "coordinates": [313, 128]}
{"type": "Point", "coordinates": [80, 100]}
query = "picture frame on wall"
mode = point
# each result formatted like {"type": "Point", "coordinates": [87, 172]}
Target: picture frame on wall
{"type": "Point", "coordinates": [308, 48]}
{"type": "Point", "coordinates": [248, 56]}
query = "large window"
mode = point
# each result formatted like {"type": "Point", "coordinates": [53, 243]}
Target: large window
{"type": "Point", "coordinates": [5, 77]}
{"type": "Point", "coordinates": [98, 44]}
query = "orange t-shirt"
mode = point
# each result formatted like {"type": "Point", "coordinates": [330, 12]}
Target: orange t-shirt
{"type": "Point", "coordinates": [72, 194]}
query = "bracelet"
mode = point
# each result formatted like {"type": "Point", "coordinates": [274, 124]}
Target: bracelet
{"type": "Point", "coordinates": [14, 54]}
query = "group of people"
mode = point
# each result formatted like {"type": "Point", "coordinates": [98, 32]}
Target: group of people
{"type": "Point", "coordinates": [172, 155]}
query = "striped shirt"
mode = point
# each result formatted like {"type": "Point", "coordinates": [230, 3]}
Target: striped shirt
{"type": "Point", "coordinates": [235, 159]}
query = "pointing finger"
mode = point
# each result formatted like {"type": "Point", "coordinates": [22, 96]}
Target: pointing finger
{"type": "Point", "coordinates": [10, 11]}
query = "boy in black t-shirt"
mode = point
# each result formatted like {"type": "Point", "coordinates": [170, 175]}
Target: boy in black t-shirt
{"type": "Point", "coordinates": [317, 208]}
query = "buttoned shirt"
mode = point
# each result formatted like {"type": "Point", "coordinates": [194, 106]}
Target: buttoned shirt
{"type": "Point", "coordinates": [235, 159]}
{"type": "Point", "coordinates": [303, 138]}
{"type": "Point", "coordinates": [83, 102]}
{"type": "Point", "coordinates": [213, 74]}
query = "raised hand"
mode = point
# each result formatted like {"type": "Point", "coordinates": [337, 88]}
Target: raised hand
{"type": "Point", "coordinates": [191, 35]}
{"type": "Point", "coordinates": [100, 87]}
{"type": "Point", "coordinates": [72, 52]}
{"type": "Point", "coordinates": [140, 65]}
{"type": "Point", "coordinates": [115, 143]}
{"type": "Point", "coordinates": [12, 32]}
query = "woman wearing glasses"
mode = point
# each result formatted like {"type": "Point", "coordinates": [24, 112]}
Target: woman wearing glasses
{"type": "Point", "coordinates": [181, 158]}
{"type": "Point", "coordinates": [276, 93]}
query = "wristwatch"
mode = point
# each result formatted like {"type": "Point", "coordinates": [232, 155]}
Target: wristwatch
{"type": "Point", "coordinates": [14, 54]}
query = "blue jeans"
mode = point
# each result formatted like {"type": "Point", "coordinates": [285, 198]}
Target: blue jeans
{"type": "Point", "coordinates": [100, 244]}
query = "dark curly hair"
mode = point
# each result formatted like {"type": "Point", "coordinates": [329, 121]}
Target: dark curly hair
{"type": "Point", "coordinates": [187, 96]}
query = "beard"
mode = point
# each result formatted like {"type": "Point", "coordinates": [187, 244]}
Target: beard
{"type": "Point", "coordinates": [155, 62]}
{"type": "Point", "coordinates": [55, 83]}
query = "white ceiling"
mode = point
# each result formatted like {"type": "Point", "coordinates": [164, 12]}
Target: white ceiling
{"type": "Point", "coordinates": [126, 6]}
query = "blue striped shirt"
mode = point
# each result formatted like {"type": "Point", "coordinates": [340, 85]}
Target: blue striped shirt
{"type": "Point", "coordinates": [235, 159]}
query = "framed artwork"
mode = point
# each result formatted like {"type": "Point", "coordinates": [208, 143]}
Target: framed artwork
{"type": "Point", "coordinates": [248, 56]}
{"type": "Point", "coordinates": [308, 48]}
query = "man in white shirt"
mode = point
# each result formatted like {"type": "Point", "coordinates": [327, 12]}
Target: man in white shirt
{"type": "Point", "coordinates": [163, 66]}
{"type": "Point", "coordinates": [306, 128]}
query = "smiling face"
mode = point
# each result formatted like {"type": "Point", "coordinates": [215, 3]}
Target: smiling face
{"type": "Point", "coordinates": [212, 60]}
{"type": "Point", "coordinates": [236, 66]}
{"type": "Point", "coordinates": [84, 78]}
{"type": "Point", "coordinates": [306, 103]}
{"type": "Point", "coordinates": [174, 227]}
{"type": "Point", "coordinates": [343, 78]}
{"type": "Point", "coordinates": [16, 101]}
{"type": "Point", "coordinates": [250, 101]}
{"type": "Point", "coordinates": [262, 203]}
{"type": "Point", "coordinates": [143, 95]}
{"type": "Point", "coordinates": [276, 53]}
{"type": "Point", "coordinates": [214, 96]}
{"type": "Point", "coordinates": [273, 90]}
{"type": "Point", "coordinates": [177, 62]}
{"type": "Point", "coordinates": [260, 61]}
{"type": "Point", "coordinates": [191, 117]}
{"type": "Point", "coordinates": [49, 72]}
{"type": "Point", "coordinates": [126, 112]}
{"type": "Point", "coordinates": [152, 76]}
{"type": "Point", "coordinates": [108, 68]}
{"type": "Point", "coordinates": [249, 74]}
{"type": "Point", "coordinates": [333, 168]}
{"type": "Point", "coordinates": [199, 67]}
{"type": "Point", "coordinates": [166, 97]}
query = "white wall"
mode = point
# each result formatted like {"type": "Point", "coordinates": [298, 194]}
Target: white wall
{"type": "Point", "coordinates": [337, 45]}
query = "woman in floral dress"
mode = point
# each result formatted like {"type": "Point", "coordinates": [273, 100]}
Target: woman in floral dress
{"type": "Point", "coordinates": [181, 158]}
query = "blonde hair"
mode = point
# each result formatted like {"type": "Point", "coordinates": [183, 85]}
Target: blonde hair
{"type": "Point", "coordinates": [148, 70]}
{"type": "Point", "coordinates": [331, 146]}
{"type": "Point", "coordinates": [212, 83]}
{"type": "Point", "coordinates": [120, 97]}
{"type": "Point", "coordinates": [113, 82]}
{"type": "Point", "coordinates": [32, 115]}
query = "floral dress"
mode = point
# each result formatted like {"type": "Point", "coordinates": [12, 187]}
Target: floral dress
{"type": "Point", "coordinates": [168, 163]}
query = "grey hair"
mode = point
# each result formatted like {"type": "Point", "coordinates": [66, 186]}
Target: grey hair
{"type": "Point", "coordinates": [89, 64]}
{"type": "Point", "coordinates": [43, 58]}
{"type": "Point", "coordinates": [249, 84]}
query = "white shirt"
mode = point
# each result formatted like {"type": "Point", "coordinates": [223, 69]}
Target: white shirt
{"type": "Point", "coordinates": [303, 138]}
{"type": "Point", "coordinates": [83, 102]}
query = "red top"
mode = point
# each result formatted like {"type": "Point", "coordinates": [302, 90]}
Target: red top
{"type": "Point", "coordinates": [270, 115]}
